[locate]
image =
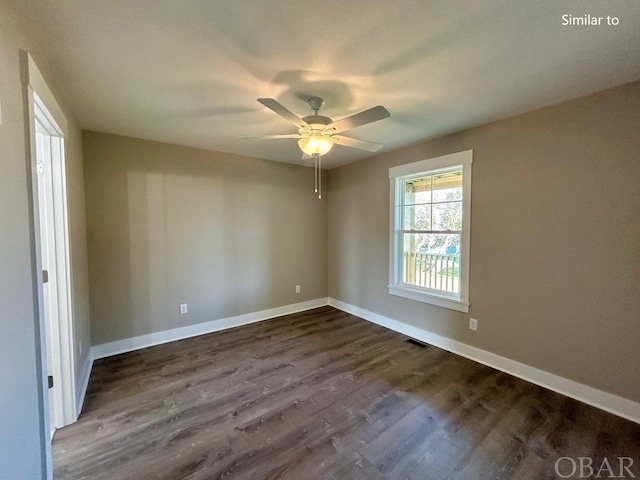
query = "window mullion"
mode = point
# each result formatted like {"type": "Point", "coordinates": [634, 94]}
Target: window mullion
{"type": "Point", "coordinates": [434, 232]}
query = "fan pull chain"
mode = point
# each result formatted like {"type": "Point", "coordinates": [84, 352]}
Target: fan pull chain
{"type": "Point", "coordinates": [319, 176]}
{"type": "Point", "coordinates": [315, 171]}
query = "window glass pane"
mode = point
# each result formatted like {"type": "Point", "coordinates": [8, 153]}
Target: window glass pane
{"type": "Point", "coordinates": [417, 217]}
{"type": "Point", "coordinates": [433, 243]}
{"type": "Point", "coordinates": [447, 186]}
{"type": "Point", "coordinates": [447, 216]}
{"type": "Point", "coordinates": [423, 196]}
{"type": "Point", "coordinates": [432, 261]}
{"type": "Point", "coordinates": [414, 241]}
{"type": "Point", "coordinates": [417, 190]}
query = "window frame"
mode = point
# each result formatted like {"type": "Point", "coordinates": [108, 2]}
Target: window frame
{"type": "Point", "coordinates": [459, 302]}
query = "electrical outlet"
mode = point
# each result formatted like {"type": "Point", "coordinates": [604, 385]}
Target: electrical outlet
{"type": "Point", "coordinates": [297, 288]}
{"type": "Point", "coordinates": [473, 324]}
{"type": "Point", "coordinates": [183, 308]}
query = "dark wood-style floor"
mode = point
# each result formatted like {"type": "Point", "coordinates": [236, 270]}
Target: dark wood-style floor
{"type": "Point", "coordinates": [324, 395]}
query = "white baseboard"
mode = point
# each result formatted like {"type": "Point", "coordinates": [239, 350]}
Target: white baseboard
{"type": "Point", "coordinates": [151, 339]}
{"type": "Point", "coordinates": [620, 406]}
{"type": "Point", "coordinates": [83, 383]}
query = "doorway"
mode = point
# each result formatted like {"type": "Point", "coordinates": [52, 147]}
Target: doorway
{"type": "Point", "coordinates": [51, 189]}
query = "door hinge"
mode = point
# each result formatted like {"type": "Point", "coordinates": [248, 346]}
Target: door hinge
{"type": "Point", "coordinates": [50, 379]}
{"type": "Point", "coordinates": [45, 276]}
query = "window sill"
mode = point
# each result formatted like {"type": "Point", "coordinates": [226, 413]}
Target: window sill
{"type": "Point", "coordinates": [431, 298]}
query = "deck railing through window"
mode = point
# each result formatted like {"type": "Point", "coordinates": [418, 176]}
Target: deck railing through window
{"type": "Point", "coordinates": [439, 272]}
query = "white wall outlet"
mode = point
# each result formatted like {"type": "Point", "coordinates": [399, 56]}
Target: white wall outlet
{"type": "Point", "coordinates": [183, 308]}
{"type": "Point", "coordinates": [297, 288]}
{"type": "Point", "coordinates": [473, 324]}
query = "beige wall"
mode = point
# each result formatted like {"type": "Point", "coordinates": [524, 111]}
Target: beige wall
{"type": "Point", "coordinates": [22, 433]}
{"type": "Point", "coordinates": [227, 235]}
{"type": "Point", "coordinates": [555, 239]}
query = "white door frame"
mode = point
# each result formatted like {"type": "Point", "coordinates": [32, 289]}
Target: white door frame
{"type": "Point", "coordinates": [46, 113]}
{"type": "Point", "coordinates": [59, 309]}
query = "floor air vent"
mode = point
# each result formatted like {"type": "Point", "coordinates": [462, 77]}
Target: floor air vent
{"type": "Point", "coordinates": [416, 343]}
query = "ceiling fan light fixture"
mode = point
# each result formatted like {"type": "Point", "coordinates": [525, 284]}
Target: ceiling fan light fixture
{"type": "Point", "coordinates": [316, 144]}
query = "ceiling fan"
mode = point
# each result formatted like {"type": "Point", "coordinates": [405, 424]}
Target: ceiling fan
{"type": "Point", "coordinates": [317, 134]}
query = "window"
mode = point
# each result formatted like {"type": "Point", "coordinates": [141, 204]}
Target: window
{"type": "Point", "coordinates": [429, 230]}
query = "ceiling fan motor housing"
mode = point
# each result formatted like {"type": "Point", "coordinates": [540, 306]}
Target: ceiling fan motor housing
{"type": "Point", "coordinates": [316, 122]}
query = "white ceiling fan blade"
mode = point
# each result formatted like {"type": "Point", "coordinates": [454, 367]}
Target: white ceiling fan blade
{"type": "Point", "coordinates": [356, 143]}
{"type": "Point", "coordinates": [358, 119]}
{"type": "Point", "coordinates": [269, 137]}
{"type": "Point", "coordinates": [283, 112]}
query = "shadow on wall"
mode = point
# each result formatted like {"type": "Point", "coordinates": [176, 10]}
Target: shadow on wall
{"type": "Point", "coordinates": [171, 225]}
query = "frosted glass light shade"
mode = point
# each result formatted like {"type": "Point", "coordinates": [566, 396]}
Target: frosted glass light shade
{"type": "Point", "coordinates": [315, 144]}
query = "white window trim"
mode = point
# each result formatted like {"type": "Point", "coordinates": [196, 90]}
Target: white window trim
{"type": "Point", "coordinates": [396, 287]}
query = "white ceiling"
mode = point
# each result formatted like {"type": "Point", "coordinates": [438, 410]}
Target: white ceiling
{"type": "Point", "coordinates": [189, 72]}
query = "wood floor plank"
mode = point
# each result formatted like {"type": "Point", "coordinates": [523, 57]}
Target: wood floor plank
{"type": "Point", "coordinates": [322, 394]}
